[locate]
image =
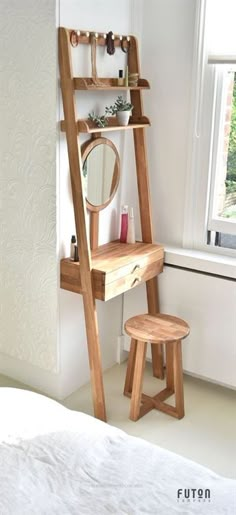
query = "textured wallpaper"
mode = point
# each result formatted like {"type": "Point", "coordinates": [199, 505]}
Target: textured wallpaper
{"type": "Point", "coordinates": [28, 267]}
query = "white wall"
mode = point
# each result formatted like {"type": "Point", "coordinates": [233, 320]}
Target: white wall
{"type": "Point", "coordinates": [28, 262]}
{"type": "Point", "coordinates": [166, 59]}
{"type": "Point", "coordinates": [168, 29]}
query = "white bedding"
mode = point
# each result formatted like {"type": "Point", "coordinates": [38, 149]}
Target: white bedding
{"type": "Point", "coordinates": [57, 461]}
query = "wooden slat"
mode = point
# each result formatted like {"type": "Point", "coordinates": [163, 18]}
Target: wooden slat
{"type": "Point", "coordinates": [108, 84]}
{"type": "Point", "coordinates": [138, 380]}
{"type": "Point", "coordinates": [153, 308]}
{"type": "Point", "coordinates": [144, 202]}
{"type": "Point", "coordinates": [169, 366]}
{"type": "Point", "coordinates": [166, 408]}
{"type": "Point", "coordinates": [178, 379]}
{"type": "Point", "coordinates": [85, 39]}
{"type": "Point", "coordinates": [88, 126]}
{"type": "Point", "coordinates": [143, 185]}
{"type": "Point", "coordinates": [144, 409]}
{"type": "Point", "coordinates": [130, 368]}
{"type": "Point", "coordinates": [134, 67]}
{"type": "Point", "coordinates": [94, 229]}
{"type": "Point", "coordinates": [80, 221]}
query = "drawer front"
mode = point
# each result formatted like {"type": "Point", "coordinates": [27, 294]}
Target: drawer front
{"type": "Point", "coordinates": [133, 266]}
{"type": "Point", "coordinates": [106, 291]}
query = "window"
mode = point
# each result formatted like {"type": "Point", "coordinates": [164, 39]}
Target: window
{"type": "Point", "coordinates": [211, 190]}
{"type": "Point", "coordinates": [222, 202]}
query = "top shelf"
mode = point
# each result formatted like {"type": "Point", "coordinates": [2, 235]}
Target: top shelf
{"type": "Point", "coordinates": [104, 84]}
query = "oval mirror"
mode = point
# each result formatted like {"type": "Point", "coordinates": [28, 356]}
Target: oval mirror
{"type": "Point", "coordinates": [101, 172]}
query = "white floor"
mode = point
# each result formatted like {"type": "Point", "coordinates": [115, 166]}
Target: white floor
{"type": "Point", "coordinates": [206, 434]}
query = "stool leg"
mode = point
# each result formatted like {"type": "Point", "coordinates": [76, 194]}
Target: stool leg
{"type": "Point", "coordinates": [169, 367]}
{"type": "Point", "coordinates": [157, 361]}
{"type": "Point", "coordinates": [178, 379]}
{"type": "Point", "coordinates": [141, 348]}
{"type": "Point", "coordinates": [130, 368]}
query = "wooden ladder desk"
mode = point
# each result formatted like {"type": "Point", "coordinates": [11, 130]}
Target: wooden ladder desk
{"type": "Point", "coordinates": [108, 270]}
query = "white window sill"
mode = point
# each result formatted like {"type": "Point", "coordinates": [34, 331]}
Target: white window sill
{"type": "Point", "coordinates": [215, 264]}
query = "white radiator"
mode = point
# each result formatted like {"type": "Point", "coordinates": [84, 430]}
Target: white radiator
{"type": "Point", "coordinates": [208, 304]}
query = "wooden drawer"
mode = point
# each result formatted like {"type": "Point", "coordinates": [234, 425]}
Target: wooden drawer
{"type": "Point", "coordinates": [105, 290]}
{"type": "Point", "coordinates": [117, 268]}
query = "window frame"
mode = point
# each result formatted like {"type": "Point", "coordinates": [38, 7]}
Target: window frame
{"type": "Point", "coordinates": [204, 123]}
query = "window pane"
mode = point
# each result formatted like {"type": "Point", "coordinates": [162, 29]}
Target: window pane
{"type": "Point", "coordinates": [222, 212]}
{"type": "Point", "coordinates": [229, 210]}
{"type": "Point", "coordinates": [225, 192]}
{"type": "Point", "coordinates": [219, 239]}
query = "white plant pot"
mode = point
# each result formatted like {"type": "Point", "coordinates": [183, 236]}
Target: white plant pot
{"type": "Point", "coordinates": [123, 117]}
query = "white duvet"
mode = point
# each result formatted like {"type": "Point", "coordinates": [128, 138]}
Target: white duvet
{"type": "Point", "coordinates": [57, 461]}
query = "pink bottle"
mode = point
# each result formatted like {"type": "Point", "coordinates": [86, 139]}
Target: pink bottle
{"type": "Point", "coordinates": [124, 224]}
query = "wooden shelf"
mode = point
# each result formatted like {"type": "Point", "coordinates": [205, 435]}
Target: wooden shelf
{"type": "Point", "coordinates": [116, 268]}
{"type": "Point", "coordinates": [87, 83]}
{"type": "Point", "coordinates": [89, 127]}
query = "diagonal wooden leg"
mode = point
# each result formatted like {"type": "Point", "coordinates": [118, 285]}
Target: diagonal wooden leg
{"type": "Point", "coordinates": [178, 379]}
{"type": "Point", "coordinates": [153, 309]}
{"type": "Point", "coordinates": [94, 357]}
{"type": "Point", "coordinates": [138, 380]}
{"type": "Point", "coordinates": [130, 367]}
{"type": "Point", "coordinates": [169, 366]}
{"type": "Point", "coordinates": [157, 361]}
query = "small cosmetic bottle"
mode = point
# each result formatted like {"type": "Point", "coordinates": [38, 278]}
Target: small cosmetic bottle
{"type": "Point", "coordinates": [72, 246]}
{"type": "Point", "coordinates": [124, 224]}
{"type": "Point", "coordinates": [120, 80]}
{"type": "Point", "coordinates": [131, 228]}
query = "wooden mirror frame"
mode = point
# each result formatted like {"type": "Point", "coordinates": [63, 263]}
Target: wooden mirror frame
{"type": "Point", "coordinates": [86, 148]}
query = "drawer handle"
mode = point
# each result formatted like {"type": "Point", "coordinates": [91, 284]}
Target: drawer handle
{"type": "Point", "coordinates": [136, 280]}
{"type": "Point", "coordinates": [135, 268]}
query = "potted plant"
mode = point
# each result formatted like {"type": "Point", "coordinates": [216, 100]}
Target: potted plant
{"type": "Point", "coordinates": [100, 121]}
{"type": "Point", "coordinates": [122, 109]}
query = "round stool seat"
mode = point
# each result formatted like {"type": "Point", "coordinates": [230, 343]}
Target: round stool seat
{"type": "Point", "coordinates": [158, 328]}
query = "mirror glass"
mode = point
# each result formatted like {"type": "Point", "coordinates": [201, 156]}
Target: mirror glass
{"type": "Point", "coordinates": [101, 172]}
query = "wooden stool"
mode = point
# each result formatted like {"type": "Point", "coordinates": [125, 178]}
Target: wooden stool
{"type": "Point", "coordinates": [162, 330]}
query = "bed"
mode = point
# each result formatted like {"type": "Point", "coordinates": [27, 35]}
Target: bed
{"type": "Point", "coordinates": [57, 461]}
